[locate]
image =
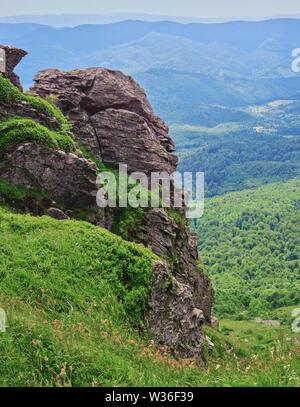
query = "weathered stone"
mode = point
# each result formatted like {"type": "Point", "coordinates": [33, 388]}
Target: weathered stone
{"type": "Point", "coordinates": [171, 316]}
{"type": "Point", "coordinates": [126, 138]}
{"type": "Point", "coordinates": [111, 116]}
{"type": "Point", "coordinates": [23, 109]}
{"type": "Point", "coordinates": [97, 89]}
{"type": "Point", "coordinates": [271, 323]}
{"type": "Point", "coordinates": [64, 176]}
{"type": "Point", "coordinates": [13, 56]}
{"type": "Point", "coordinates": [113, 119]}
{"type": "Point", "coordinates": [232, 353]}
{"type": "Point", "coordinates": [177, 244]}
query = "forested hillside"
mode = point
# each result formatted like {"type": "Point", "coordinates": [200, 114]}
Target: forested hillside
{"type": "Point", "coordinates": [263, 148]}
{"type": "Point", "coordinates": [250, 244]}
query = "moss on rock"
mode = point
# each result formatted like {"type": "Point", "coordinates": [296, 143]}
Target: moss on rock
{"type": "Point", "coordinates": [11, 95]}
{"type": "Point", "coordinates": [17, 130]}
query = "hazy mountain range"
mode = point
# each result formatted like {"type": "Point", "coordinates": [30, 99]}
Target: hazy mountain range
{"type": "Point", "coordinates": [227, 90]}
{"type": "Point", "coordinates": [72, 20]}
{"type": "Point", "coordinates": [183, 67]}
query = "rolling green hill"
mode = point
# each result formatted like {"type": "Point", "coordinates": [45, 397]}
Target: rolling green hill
{"type": "Point", "coordinates": [65, 290]}
{"type": "Point", "coordinates": [250, 244]}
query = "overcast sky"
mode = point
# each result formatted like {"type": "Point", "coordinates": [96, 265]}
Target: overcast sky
{"type": "Point", "coordinates": [191, 8]}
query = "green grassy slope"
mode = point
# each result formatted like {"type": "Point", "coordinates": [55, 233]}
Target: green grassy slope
{"type": "Point", "coordinates": [249, 241]}
{"type": "Point", "coordinates": [71, 292]}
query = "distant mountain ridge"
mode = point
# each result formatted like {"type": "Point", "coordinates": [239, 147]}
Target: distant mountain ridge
{"type": "Point", "coordinates": [243, 51]}
{"type": "Point", "coordinates": [72, 20]}
{"type": "Point", "coordinates": [199, 75]}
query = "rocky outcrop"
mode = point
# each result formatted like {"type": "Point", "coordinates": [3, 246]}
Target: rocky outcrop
{"type": "Point", "coordinates": [111, 116]}
{"type": "Point", "coordinates": [13, 57]}
{"type": "Point", "coordinates": [57, 214]}
{"type": "Point", "coordinates": [173, 241]}
{"type": "Point", "coordinates": [113, 119]}
{"type": "Point", "coordinates": [267, 322]}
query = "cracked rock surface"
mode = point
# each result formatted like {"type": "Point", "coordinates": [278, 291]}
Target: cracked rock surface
{"type": "Point", "coordinates": [111, 116]}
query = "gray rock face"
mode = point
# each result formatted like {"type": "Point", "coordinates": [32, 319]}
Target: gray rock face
{"type": "Point", "coordinates": [23, 109]}
{"type": "Point", "coordinates": [13, 57]}
{"type": "Point", "coordinates": [64, 176]}
{"type": "Point", "coordinates": [111, 116]}
{"type": "Point", "coordinates": [176, 243]}
{"type": "Point", "coordinates": [126, 138]}
{"type": "Point", "coordinates": [271, 323]}
{"type": "Point", "coordinates": [210, 345]}
{"type": "Point", "coordinates": [179, 324]}
{"type": "Point", "coordinates": [267, 322]}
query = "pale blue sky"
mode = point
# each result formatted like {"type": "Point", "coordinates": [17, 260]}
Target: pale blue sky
{"type": "Point", "coordinates": [191, 8]}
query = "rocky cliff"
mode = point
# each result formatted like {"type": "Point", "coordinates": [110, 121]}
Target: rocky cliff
{"type": "Point", "coordinates": [111, 116]}
{"type": "Point", "coordinates": [114, 123]}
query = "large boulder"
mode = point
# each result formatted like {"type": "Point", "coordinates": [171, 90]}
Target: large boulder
{"type": "Point", "coordinates": [112, 117]}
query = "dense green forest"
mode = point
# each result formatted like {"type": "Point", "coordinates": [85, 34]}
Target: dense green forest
{"type": "Point", "coordinates": [250, 244]}
{"type": "Point", "coordinates": [239, 162]}
{"type": "Point", "coordinates": [237, 156]}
